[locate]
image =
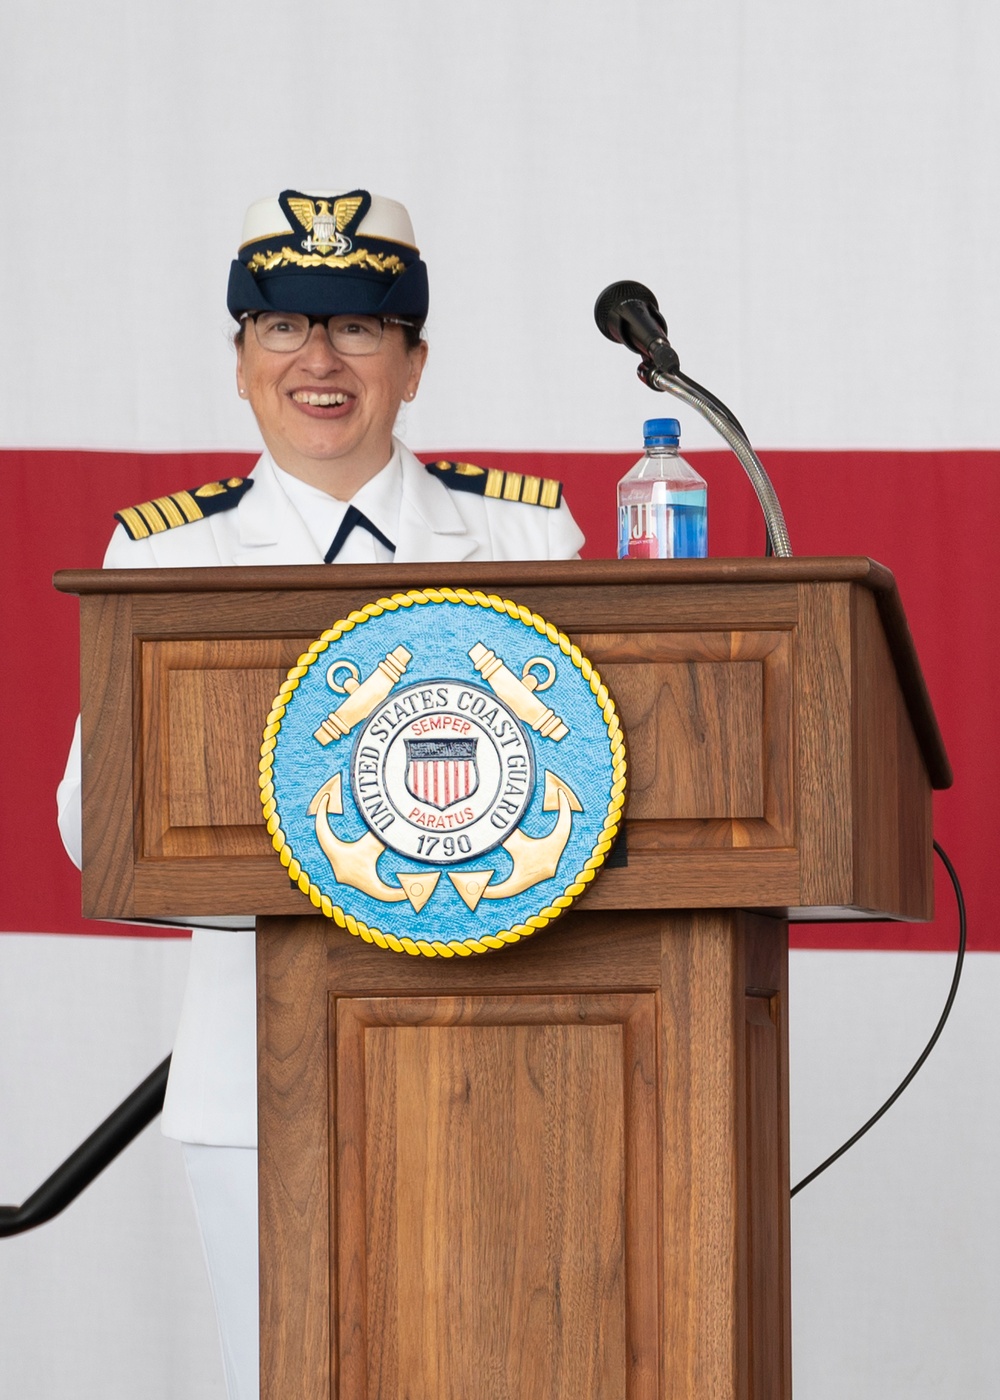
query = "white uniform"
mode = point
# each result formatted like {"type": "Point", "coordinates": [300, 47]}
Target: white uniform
{"type": "Point", "coordinates": [211, 1095]}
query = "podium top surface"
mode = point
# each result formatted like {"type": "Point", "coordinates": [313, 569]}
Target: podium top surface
{"type": "Point", "coordinates": [375, 579]}
{"type": "Point", "coordinates": [846, 569]}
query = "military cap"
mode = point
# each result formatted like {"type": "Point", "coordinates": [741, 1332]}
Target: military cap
{"type": "Point", "coordinates": [328, 253]}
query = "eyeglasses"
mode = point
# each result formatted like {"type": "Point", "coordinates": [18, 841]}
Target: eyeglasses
{"type": "Point", "coordinates": [287, 331]}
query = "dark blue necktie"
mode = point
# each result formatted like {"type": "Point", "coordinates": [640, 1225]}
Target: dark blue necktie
{"type": "Point", "coordinates": [352, 517]}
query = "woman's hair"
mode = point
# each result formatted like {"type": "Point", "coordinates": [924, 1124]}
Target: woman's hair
{"type": "Point", "coordinates": [413, 333]}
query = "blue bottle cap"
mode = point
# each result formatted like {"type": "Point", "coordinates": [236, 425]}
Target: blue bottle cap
{"type": "Point", "coordinates": [661, 432]}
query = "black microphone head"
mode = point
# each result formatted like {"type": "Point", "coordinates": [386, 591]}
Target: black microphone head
{"type": "Point", "coordinates": [607, 309]}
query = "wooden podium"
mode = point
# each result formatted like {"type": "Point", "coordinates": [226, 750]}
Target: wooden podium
{"type": "Point", "coordinates": [560, 1171]}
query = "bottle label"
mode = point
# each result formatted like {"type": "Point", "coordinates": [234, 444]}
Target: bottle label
{"type": "Point", "coordinates": [655, 530]}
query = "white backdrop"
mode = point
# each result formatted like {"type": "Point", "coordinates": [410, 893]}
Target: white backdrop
{"type": "Point", "coordinates": [809, 189]}
{"type": "Point", "coordinates": [894, 1250]}
{"type": "Point", "coordinates": [812, 192]}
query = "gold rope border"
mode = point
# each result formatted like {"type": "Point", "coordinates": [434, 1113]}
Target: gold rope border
{"type": "Point", "coordinates": [462, 947]}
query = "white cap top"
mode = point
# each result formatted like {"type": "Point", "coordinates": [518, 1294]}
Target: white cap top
{"type": "Point", "coordinates": [386, 218]}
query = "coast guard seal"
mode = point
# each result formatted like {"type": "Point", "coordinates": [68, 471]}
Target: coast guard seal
{"type": "Point", "coordinates": [443, 772]}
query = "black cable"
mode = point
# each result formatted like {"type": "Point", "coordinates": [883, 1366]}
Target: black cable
{"type": "Point", "coordinates": [713, 399]}
{"type": "Point", "coordinates": [960, 900]}
{"type": "Point", "coordinates": [90, 1158]}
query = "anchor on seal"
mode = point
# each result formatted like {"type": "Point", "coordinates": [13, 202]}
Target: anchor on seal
{"type": "Point", "coordinates": [535, 858]}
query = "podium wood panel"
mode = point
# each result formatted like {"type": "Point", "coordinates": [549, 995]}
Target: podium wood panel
{"type": "Point", "coordinates": [533, 1161]}
{"type": "Point", "coordinates": [781, 745]}
{"type": "Point", "coordinates": [493, 1196]}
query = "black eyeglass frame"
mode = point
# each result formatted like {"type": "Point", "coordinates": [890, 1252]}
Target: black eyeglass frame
{"type": "Point", "coordinates": [324, 321]}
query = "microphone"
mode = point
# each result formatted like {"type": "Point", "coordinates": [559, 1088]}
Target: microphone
{"type": "Point", "coordinates": [629, 313]}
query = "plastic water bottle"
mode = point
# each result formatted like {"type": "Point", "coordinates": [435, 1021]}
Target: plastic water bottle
{"type": "Point", "coordinates": [662, 502]}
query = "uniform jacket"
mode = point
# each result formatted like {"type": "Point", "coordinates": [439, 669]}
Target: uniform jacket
{"type": "Point", "coordinates": [212, 1091]}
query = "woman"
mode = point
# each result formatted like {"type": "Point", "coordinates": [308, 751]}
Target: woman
{"type": "Point", "coordinates": [331, 295]}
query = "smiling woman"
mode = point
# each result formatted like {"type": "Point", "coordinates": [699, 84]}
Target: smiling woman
{"type": "Point", "coordinates": [331, 295]}
{"type": "Point", "coordinates": [329, 343]}
{"type": "Point", "coordinates": [326, 392]}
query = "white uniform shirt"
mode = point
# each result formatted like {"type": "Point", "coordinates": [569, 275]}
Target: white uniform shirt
{"type": "Point", "coordinates": [212, 1090]}
{"type": "Point", "coordinates": [379, 499]}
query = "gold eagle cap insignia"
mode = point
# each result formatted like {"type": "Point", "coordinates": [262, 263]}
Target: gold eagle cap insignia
{"type": "Point", "coordinates": [344, 210]}
{"type": "Point", "coordinates": [305, 211]}
{"type": "Point", "coordinates": [323, 224]}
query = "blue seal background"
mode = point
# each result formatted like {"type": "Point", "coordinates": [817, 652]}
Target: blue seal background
{"type": "Point", "coordinates": [440, 635]}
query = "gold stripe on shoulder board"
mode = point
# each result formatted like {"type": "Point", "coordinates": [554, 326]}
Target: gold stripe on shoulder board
{"type": "Point", "coordinates": [134, 523]}
{"type": "Point", "coordinates": [498, 485]}
{"type": "Point", "coordinates": [182, 507]}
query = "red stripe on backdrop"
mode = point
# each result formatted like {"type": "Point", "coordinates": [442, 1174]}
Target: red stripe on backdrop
{"type": "Point", "coordinates": [929, 516]}
{"type": "Point", "coordinates": [58, 508]}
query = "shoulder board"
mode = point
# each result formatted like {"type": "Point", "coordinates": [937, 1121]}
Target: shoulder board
{"type": "Point", "coordinates": [498, 485]}
{"type": "Point", "coordinates": [183, 507]}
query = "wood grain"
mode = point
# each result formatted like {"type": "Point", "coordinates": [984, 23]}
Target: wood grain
{"type": "Point", "coordinates": [677, 573]}
{"type": "Point", "coordinates": [826, 796]}
{"type": "Point", "coordinates": [112, 779]}
{"type": "Point", "coordinates": [893, 825]}
{"type": "Point", "coordinates": [365, 580]}
{"type": "Point", "coordinates": [753, 713]}
{"type": "Point", "coordinates": [764, 1215]}
{"type": "Point", "coordinates": [767, 1185]}
{"type": "Point", "coordinates": [578, 606]}
{"type": "Point", "coordinates": [694, 734]}
{"type": "Point", "coordinates": [700, 1151]}
{"type": "Point", "coordinates": [500, 1254]}
{"type": "Point", "coordinates": [297, 1352]}
{"type": "Point", "coordinates": [205, 705]}
{"type": "Point", "coordinates": [207, 782]}
{"type": "Point", "coordinates": [558, 1171]}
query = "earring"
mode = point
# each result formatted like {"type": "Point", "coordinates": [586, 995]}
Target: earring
{"type": "Point", "coordinates": [243, 393]}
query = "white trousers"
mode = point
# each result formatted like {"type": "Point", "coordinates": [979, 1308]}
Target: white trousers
{"type": "Point", "coordinates": [224, 1185]}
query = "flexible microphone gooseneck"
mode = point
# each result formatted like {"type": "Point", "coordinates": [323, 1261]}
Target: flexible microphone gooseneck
{"type": "Point", "coordinates": [628, 313]}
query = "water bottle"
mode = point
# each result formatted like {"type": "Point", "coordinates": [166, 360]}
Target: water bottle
{"type": "Point", "coordinates": [662, 502]}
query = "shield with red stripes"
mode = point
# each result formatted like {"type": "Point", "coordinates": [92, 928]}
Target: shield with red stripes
{"type": "Point", "coordinates": [441, 772]}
